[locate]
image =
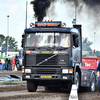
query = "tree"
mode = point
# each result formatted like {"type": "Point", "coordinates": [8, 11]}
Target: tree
{"type": "Point", "coordinates": [86, 49]}
{"type": "Point", "coordinates": [12, 43]}
{"type": "Point", "coordinates": [97, 53]}
{"type": "Point", "coordinates": [86, 44]}
{"type": "Point", "coordinates": [2, 39]}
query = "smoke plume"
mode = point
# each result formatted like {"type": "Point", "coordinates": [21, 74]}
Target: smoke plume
{"type": "Point", "coordinates": [40, 7]}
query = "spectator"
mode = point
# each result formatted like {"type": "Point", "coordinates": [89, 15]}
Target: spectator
{"type": "Point", "coordinates": [6, 64]}
{"type": "Point", "coordinates": [3, 64]}
{"type": "Point", "coordinates": [0, 64]}
{"type": "Point", "coordinates": [98, 75]}
{"type": "Point", "coordinates": [9, 63]}
{"type": "Point", "coordinates": [17, 61]}
{"type": "Point", "coordinates": [13, 64]}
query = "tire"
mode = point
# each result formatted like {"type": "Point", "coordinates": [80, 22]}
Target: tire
{"type": "Point", "coordinates": [77, 80]}
{"type": "Point", "coordinates": [31, 86]}
{"type": "Point", "coordinates": [69, 87]}
{"type": "Point", "coordinates": [92, 83]}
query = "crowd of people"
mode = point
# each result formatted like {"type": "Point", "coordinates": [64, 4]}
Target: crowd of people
{"type": "Point", "coordinates": [9, 63]}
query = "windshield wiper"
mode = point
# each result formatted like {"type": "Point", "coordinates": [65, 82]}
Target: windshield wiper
{"type": "Point", "coordinates": [61, 47]}
{"type": "Point", "coordinates": [44, 47]}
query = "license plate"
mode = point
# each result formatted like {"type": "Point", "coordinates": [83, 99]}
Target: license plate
{"type": "Point", "coordinates": [45, 76]}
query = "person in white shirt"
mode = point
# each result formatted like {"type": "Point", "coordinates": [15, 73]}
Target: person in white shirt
{"type": "Point", "coordinates": [3, 64]}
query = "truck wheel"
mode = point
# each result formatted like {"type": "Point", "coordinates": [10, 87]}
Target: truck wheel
{"type": "Point", "coordinates": [92, 83]}
{"type": "Point", "coordinates": [77, 80]}
{"type": "Point", "coordinates": [31, 86]}
{"type": "Point", "coordinates": [69, 87]}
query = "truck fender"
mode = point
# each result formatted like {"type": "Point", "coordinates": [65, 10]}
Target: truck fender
{"type": "Point", "coordinates": [75, 67]}
{"type": "Point", "coordinates": [92, 82]}
{"type": "Point", "coordinates": [92, 72]}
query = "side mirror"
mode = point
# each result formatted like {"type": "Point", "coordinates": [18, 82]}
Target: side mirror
{"type": "Point", "coordinates": [22, 43]}
{"type": "Point", "coordinates": [22, 35]}
{"type": "Point", "coordinates": [76, 42]}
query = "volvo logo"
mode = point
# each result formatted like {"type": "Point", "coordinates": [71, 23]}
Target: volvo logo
{"type": "Point", "coordinates": [62, 60]}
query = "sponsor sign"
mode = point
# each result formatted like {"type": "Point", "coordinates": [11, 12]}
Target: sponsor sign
{"type": "Point", "coordinates": [89, 64]}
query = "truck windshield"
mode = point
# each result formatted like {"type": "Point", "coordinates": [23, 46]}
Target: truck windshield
{"type": "Point", "coordinates": [47, 40]}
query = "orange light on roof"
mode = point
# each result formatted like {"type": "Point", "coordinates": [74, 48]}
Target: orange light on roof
{"type": "Point", "coordinates": [28, 52]}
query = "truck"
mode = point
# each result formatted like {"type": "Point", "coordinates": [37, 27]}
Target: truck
{"type": "Point", "coordinates": [53, 57]}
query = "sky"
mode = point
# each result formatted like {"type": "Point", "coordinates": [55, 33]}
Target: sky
{"type": "Point", "coordinates": [59, 11]}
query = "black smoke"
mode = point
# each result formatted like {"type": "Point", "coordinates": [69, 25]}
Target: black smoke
{"type": "Point", "coordinates": [92, 3]}
{"type": "Point", "coordinates": [40, 7]}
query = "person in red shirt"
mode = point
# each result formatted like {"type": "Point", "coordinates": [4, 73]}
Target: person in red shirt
{"type": "Point", "coordinates": [13, 64]}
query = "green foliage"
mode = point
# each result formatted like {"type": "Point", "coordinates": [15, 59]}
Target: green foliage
{"type": "Point", "coordinates": [86, 44]}
{"type": "Point", "coordinates": [1, 57]}
{"type": "Point", "coordinates": [97, 53]}
{"type": "Point", "coordinates": [4, 41]}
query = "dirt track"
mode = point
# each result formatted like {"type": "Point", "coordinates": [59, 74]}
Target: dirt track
{"type": "Point", "coordinates": [6, 73]}
{"type": "Point", "coordinates": [18, 91]}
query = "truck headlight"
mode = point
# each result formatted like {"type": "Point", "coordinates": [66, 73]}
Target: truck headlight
{"type": "Point", "coordinates": [27, 70]}
{"type": "Point", "coordinates": [64, 71]}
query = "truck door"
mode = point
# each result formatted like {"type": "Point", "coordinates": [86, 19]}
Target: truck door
{"type": "Point", "coordinates": [76, 48]}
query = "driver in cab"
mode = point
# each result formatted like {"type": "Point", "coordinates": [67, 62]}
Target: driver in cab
{"type": "Point", "coordinates": [65, 41]}
{"type": "Point", "coordinates": [37, 41]}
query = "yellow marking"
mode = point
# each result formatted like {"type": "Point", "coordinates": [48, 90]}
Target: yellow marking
{"type": "Point", "coordinates": [46, 76]}
{"type": "Point", "coordinates": [46, 51]}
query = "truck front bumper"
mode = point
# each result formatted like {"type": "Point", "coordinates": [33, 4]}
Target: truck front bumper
{"type": "Point", "coordinates": [47, 74]}
{"type": "Point", "coordinates": [46, 77]}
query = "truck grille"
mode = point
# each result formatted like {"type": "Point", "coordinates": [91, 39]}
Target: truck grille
{"type": "Point", "coordinates": [39, 60]}
{"type": "Point", "coordinates": [45, 71]}
{"type": "Point", "coordinates": [30, 60]}
{"type": "Point", "coordinates": [42, 57]}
